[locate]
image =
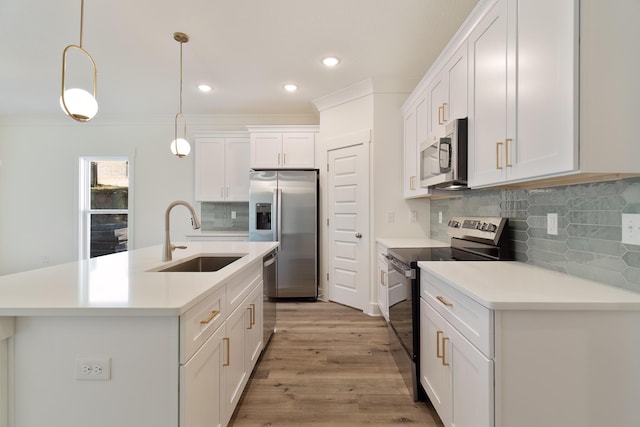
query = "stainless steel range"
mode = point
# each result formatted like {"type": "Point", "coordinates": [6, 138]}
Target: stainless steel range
{"type": "Point", "coordinates": [472, 239]}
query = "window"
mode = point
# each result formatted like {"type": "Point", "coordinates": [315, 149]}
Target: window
{"type": "Point", "coordinates": [104, 206]}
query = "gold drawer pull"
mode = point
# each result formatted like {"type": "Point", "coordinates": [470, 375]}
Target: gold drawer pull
{"type": "Point", "coordinates": [444, 301]}
{"type": "Point", "coordinates": [444, 348]}
{"type": "Point", "coordinates": [438, 355]}
{"type": "Point", "coordinates": [253, 314]}
{"type": "Point", "coordinates": [213, 314]}
{"type": "Point", "coordinates": [508, 142]}
{"type": "Point", "coordinates": [250, 316]}
{"type": "Point", "coordinates": [498, 144]}
{"type": "Point", "coordinates": [228, 345]}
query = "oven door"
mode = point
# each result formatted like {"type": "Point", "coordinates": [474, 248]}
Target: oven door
{"type": "Point", "coordinates": [400, 299]}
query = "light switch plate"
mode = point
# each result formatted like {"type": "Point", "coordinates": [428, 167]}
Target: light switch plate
{"type": "Point", "coordinates": [631, 229]}
{"type": "Point", "coordinates": [552, 224]}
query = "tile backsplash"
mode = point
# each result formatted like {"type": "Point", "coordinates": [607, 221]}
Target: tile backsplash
{"type": "Point", "coordinates": [589, 240]}
{"type": "Point", "coordinates": [219, 216]}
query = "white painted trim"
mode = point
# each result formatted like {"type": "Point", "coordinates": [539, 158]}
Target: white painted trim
{"type": "Point", "coordinates": [362, 136]}
{"type": "Point", "coordinates": [342, 96]}
{"type": "Point", "coordinates": [281, 128]}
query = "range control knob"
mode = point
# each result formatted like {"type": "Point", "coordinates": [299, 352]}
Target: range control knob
{"type": "Point", "coordinates": [492, 228]}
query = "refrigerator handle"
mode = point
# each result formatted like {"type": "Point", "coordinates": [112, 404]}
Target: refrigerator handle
{"type": "Point", "coordinates": [275, 214]}
{"type": "Point", "coordinates": [279, 219]}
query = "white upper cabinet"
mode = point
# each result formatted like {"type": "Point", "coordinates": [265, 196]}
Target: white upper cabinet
{"type": "Point", "coordinates": [415, 131]}
{"type": "Point", "coordinates": [283, 147]}
{"type": "Point", "coordinates": [222, 167]}
{"type": "Point", "coordinates": [523, 92]}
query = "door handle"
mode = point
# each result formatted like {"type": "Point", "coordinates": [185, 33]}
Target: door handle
{"type": "Point", "coordinates": [358, 236]}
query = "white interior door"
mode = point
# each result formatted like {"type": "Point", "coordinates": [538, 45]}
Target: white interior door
{"type": "Point", "coordinates": [348, 203]}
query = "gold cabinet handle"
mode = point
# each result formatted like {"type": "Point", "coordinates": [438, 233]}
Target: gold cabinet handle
{"type": "Point", "coordinates": [438, 334]}
{"type": "Point", "coordinates": [411, 182]}
{"type": "Point", "coordinates": [444, 349]}
{"type": "Point", "coordinates": [213, 314]}
{"type": "Point", "coordinates": [498, 144]}
{"type": "Point", "coordinates": [444, 301]}
{"type": "Point", "coordinates": [382, 277]}
{"type": "Point", "coordinates": [440, 113]}
{"type": "Point", "coordinates": [444, 104]}
{"type": "Point", "coordinates": [507, 142]}
{"type": "Point", "coordinates": [228, 341]}
{"type": "Point", "coordinates": [253, 314]}
{"type": "Point", "coordinates": [250, 323]}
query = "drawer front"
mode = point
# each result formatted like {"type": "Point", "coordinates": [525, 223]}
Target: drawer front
{"type": "Point", "coordinates": [382, 250]}
{"type": "Point", "coordinates": [473, 320]}
{"type": "Point", "coordinates": [200, 322]}
{"type": "Point", "coordinates": [241, 285]}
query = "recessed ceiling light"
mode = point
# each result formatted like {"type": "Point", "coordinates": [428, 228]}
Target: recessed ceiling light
{"type": "Point", "coordinates": [290, 87]}
{"type": "Point", "coordinates": [205, 87]}
{"type": "Point", "coordinates": [331, 61]}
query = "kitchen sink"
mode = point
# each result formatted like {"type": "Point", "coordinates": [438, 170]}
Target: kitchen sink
{"type": "Point", "coordinates": [205, 263]}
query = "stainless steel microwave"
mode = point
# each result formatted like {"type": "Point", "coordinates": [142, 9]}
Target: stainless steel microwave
{"type": "Point", "coordinates": [443, 158]}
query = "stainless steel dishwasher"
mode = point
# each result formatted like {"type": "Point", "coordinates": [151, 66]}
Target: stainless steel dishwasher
{"type": "Point", "coordinates": [269, 292]}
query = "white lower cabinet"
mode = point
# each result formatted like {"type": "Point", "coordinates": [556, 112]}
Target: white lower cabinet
{"type": "Point", "coordinates": [214, 375]}
{"type": "Point", "coordinates": [201, 384]}
{"type": "Point", "coordinates": [457, 377]}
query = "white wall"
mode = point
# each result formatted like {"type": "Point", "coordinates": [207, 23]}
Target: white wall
{"type": "Point", "coordinates": [39, 160]}
{"type": "Point", "coordinates": [380, 113]}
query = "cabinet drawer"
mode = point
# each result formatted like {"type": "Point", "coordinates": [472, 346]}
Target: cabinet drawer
{"type": "Point", "coordinates": [473, 320]}
{"type": "Point", "coordinates": [200, 322]}
{"type": "Point", "coordinates": [241, 285]}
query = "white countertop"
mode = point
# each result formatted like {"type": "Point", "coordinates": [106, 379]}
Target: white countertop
{"type": "Point", "coordinates": [201, 233]}
{"type": "Point", "coordinates": [120, 284]}
{"type": "Point", "coordinates": [410, 242]}
{"type": "Point", "coordinates": [511, 285]}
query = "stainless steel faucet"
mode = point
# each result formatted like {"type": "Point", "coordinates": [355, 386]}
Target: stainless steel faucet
{"type": "Point", "coordinates": [168, 248]}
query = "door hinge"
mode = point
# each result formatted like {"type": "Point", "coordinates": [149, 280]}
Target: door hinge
{"type": "Point", "coordinates": [327, 167]}
{"type": "Point", "coordinates": [327, 277]}
{"type": "Point", "coordinates": [327, 222]}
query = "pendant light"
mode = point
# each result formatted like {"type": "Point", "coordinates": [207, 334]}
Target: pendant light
{"type": "Point", "coordinates": [77, 103]}
{"type": "Point", "coordinates": [180, 146]}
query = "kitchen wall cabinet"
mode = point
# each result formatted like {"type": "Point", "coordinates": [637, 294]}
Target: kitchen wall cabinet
{"type": "Point", "coordinates": [222, 167]}
{"type": "Point", "coordinates": [448, 93]}
{"type": "Point", "coordinates": [291, 147]}
{"type": "Point", "coordinates": [415, 131]}
{"type": "Point", "coordinates": [523, 112]}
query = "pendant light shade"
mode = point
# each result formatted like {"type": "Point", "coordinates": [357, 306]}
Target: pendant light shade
{"type": "Point", "coordinates": [180, 146]}
{"type": "Point", "coordinates": [77, 103]}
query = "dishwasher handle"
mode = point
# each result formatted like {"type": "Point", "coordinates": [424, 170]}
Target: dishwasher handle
{"type": "Point", "coordinates": [269, 259]}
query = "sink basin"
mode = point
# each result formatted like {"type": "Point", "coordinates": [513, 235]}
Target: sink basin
{"type": "Point", "coordinates": [201, 264]}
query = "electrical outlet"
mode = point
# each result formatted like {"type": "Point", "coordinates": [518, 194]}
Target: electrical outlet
{"type": "Point", "coordinates": [233, 214]}
{"type": "Point", "coordinates": [98, 369]}
{"type": "Point", "coordinates": [439, 217]}
{"type": "Point", "coordinates": [631, 229]}
{"type": "Point", "coordinates": [552, 224]}
{"type": "Point", "coordinates": [391, 217]}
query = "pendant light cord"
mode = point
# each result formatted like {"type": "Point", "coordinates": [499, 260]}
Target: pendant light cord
{"type": "Point", "coordinates": [81, 20]}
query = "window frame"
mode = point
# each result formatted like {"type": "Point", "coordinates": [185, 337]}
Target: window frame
{"type": "Point", "coordinates": [84, 205]}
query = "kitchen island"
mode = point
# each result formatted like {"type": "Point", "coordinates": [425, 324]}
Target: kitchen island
{"type": "Point", "coordinates": [511, 344]}
{"type": "Point", "coordinates": [109, 341]}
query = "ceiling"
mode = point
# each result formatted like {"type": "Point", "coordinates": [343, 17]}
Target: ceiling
{"type": "Point", "coordinates": [246, 49]}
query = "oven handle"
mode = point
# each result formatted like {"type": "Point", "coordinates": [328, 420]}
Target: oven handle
{"type": "Point", "coordinates": [406, 272]}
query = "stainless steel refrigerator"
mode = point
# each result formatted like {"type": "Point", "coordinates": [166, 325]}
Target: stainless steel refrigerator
{"type": "Point", "coordinates": [283, 207]}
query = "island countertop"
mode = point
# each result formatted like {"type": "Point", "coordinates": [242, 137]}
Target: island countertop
{"type": "Point", "coordinates": [121, 284]}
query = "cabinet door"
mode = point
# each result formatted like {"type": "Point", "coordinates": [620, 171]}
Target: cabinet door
{"type": "Point", "coordinates": [435, 373]}
{"type": "Point", "coordinates": [200, 385]}
{"type": "Point", "coordinates": [298, 150]}
{"type": "Point", "coordinates": [383, 278]}
{"type": "Point", "coordinates": [438, 101]}
{"type": "Point", "coordinates": [547, 70]}
{"type": "Point", "coordinates": [456, 72]}
{"type": "Point", "coordinates": [491, 96]}
{"type": "Point", "coordinates": [471, 381]}
{"type": "Point", "coordinates": [237, 170]}
{"type": "Point", "coordinates": [210, 169]}
{"type": "Point", "coordinates": [266, 150]}
{"type": "Point", "coordinates": [253, 331]}
{"type": "Point", "coordinates": [415, 131]}
{"type": "Point", "coordinates": [234, 366]}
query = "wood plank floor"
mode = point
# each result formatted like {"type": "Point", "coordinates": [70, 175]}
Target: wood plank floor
{"type": "Point", "coordinates": [328, 365]}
